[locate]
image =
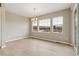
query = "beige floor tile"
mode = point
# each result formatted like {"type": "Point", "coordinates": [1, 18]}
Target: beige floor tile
{"type": "Point", "coordinates": [35, 47]}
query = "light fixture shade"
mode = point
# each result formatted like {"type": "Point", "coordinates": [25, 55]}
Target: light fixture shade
{"type": "Point", "coordinates": [36, 18]}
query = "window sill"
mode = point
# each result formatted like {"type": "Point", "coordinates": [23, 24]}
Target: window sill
{"type": "Point", "coordinates": [41, 32]}
{"type": "Point", "coordinates": [49, 32]}
{"type": "Point", "coordinates": [44, 32]}
{"type": "Point", "coordinates": [57, 32]}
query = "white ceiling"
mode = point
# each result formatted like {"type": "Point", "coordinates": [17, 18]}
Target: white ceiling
{"type": "Point", "coordinates": [26, 9]}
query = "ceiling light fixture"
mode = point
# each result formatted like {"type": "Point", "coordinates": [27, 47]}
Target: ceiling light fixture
{"type": "Point", "coordinates": [35, 15]}
{"type": "Point", "coordinates": [34, 19]}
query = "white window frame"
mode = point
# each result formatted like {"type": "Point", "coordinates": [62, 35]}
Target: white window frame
{"type": "Point", "coordinates": [39, 26]}
{"type": "Point", "coordinates": [51, 25]}
{"type": "Point", "coordinates": [62, 25]}
{"type": "Point", "coordinates": [32, 26]}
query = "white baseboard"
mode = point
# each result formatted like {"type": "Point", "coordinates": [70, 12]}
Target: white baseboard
{"type": "Point", "coordinates": [52, 40]}
{"type": "Point", "coordinates": [18, 38]}
{"type": "Point", "coordinates": [3, 46]}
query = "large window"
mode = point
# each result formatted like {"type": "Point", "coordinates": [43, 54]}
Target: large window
{"type": "Point", "coordinates": [44, 25]}
{"type": "Point", "coordinates": [34, 25]}
{"type": "Point", "coordinates": [57, 24]}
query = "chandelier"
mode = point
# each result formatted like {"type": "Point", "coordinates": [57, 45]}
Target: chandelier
{"type": "Point", "coordinates": [35, 17]}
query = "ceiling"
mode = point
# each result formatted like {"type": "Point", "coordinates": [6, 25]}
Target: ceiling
{"type": "Point", "coordinates": [27, 9]}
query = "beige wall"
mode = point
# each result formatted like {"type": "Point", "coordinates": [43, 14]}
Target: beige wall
{"type": "Point", "coordinates": [61, 37]}
{"type": "Point", "coordinates": [17, 27]}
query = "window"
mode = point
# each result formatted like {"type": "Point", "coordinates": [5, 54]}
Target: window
{"type": "Point", "coordinates": [44, 25]}
{"type": "Point", "coordinates": [57, 24]}
{"type": "Point", "coordinates": [34, 25]}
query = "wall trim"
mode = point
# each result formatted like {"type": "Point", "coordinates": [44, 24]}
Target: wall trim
{"type": "Point", "coordinates": [3, 46]}
{"type": "Point", "coordinates": [51, 40]}
{"type": "Point", "coordinates": [19, 38]}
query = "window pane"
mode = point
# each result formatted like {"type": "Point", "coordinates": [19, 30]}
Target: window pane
{"type": "Point", "coordinates": [55, 21]}
{"type": "Point", "coordinates": [34, 25]}
{"type": "Point", "coordinates": [57, 24]}
{"type": "Point", "coordinates": [60, 20]}
{"type": "Point", "coordinates": [44, 25]}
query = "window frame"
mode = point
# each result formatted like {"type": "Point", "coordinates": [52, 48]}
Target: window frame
{"type": "Point", "coordinates": [32, 26]}
{"type": "Point", "coordinates": [51, 25]}
{"type": "Point", "coordinates": [62, 25]}
{"type": "Point", "coordinates": [39, 26]}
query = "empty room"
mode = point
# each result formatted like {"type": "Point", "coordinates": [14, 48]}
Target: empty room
{"type": "Point", "coordinates": [39, 29]}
